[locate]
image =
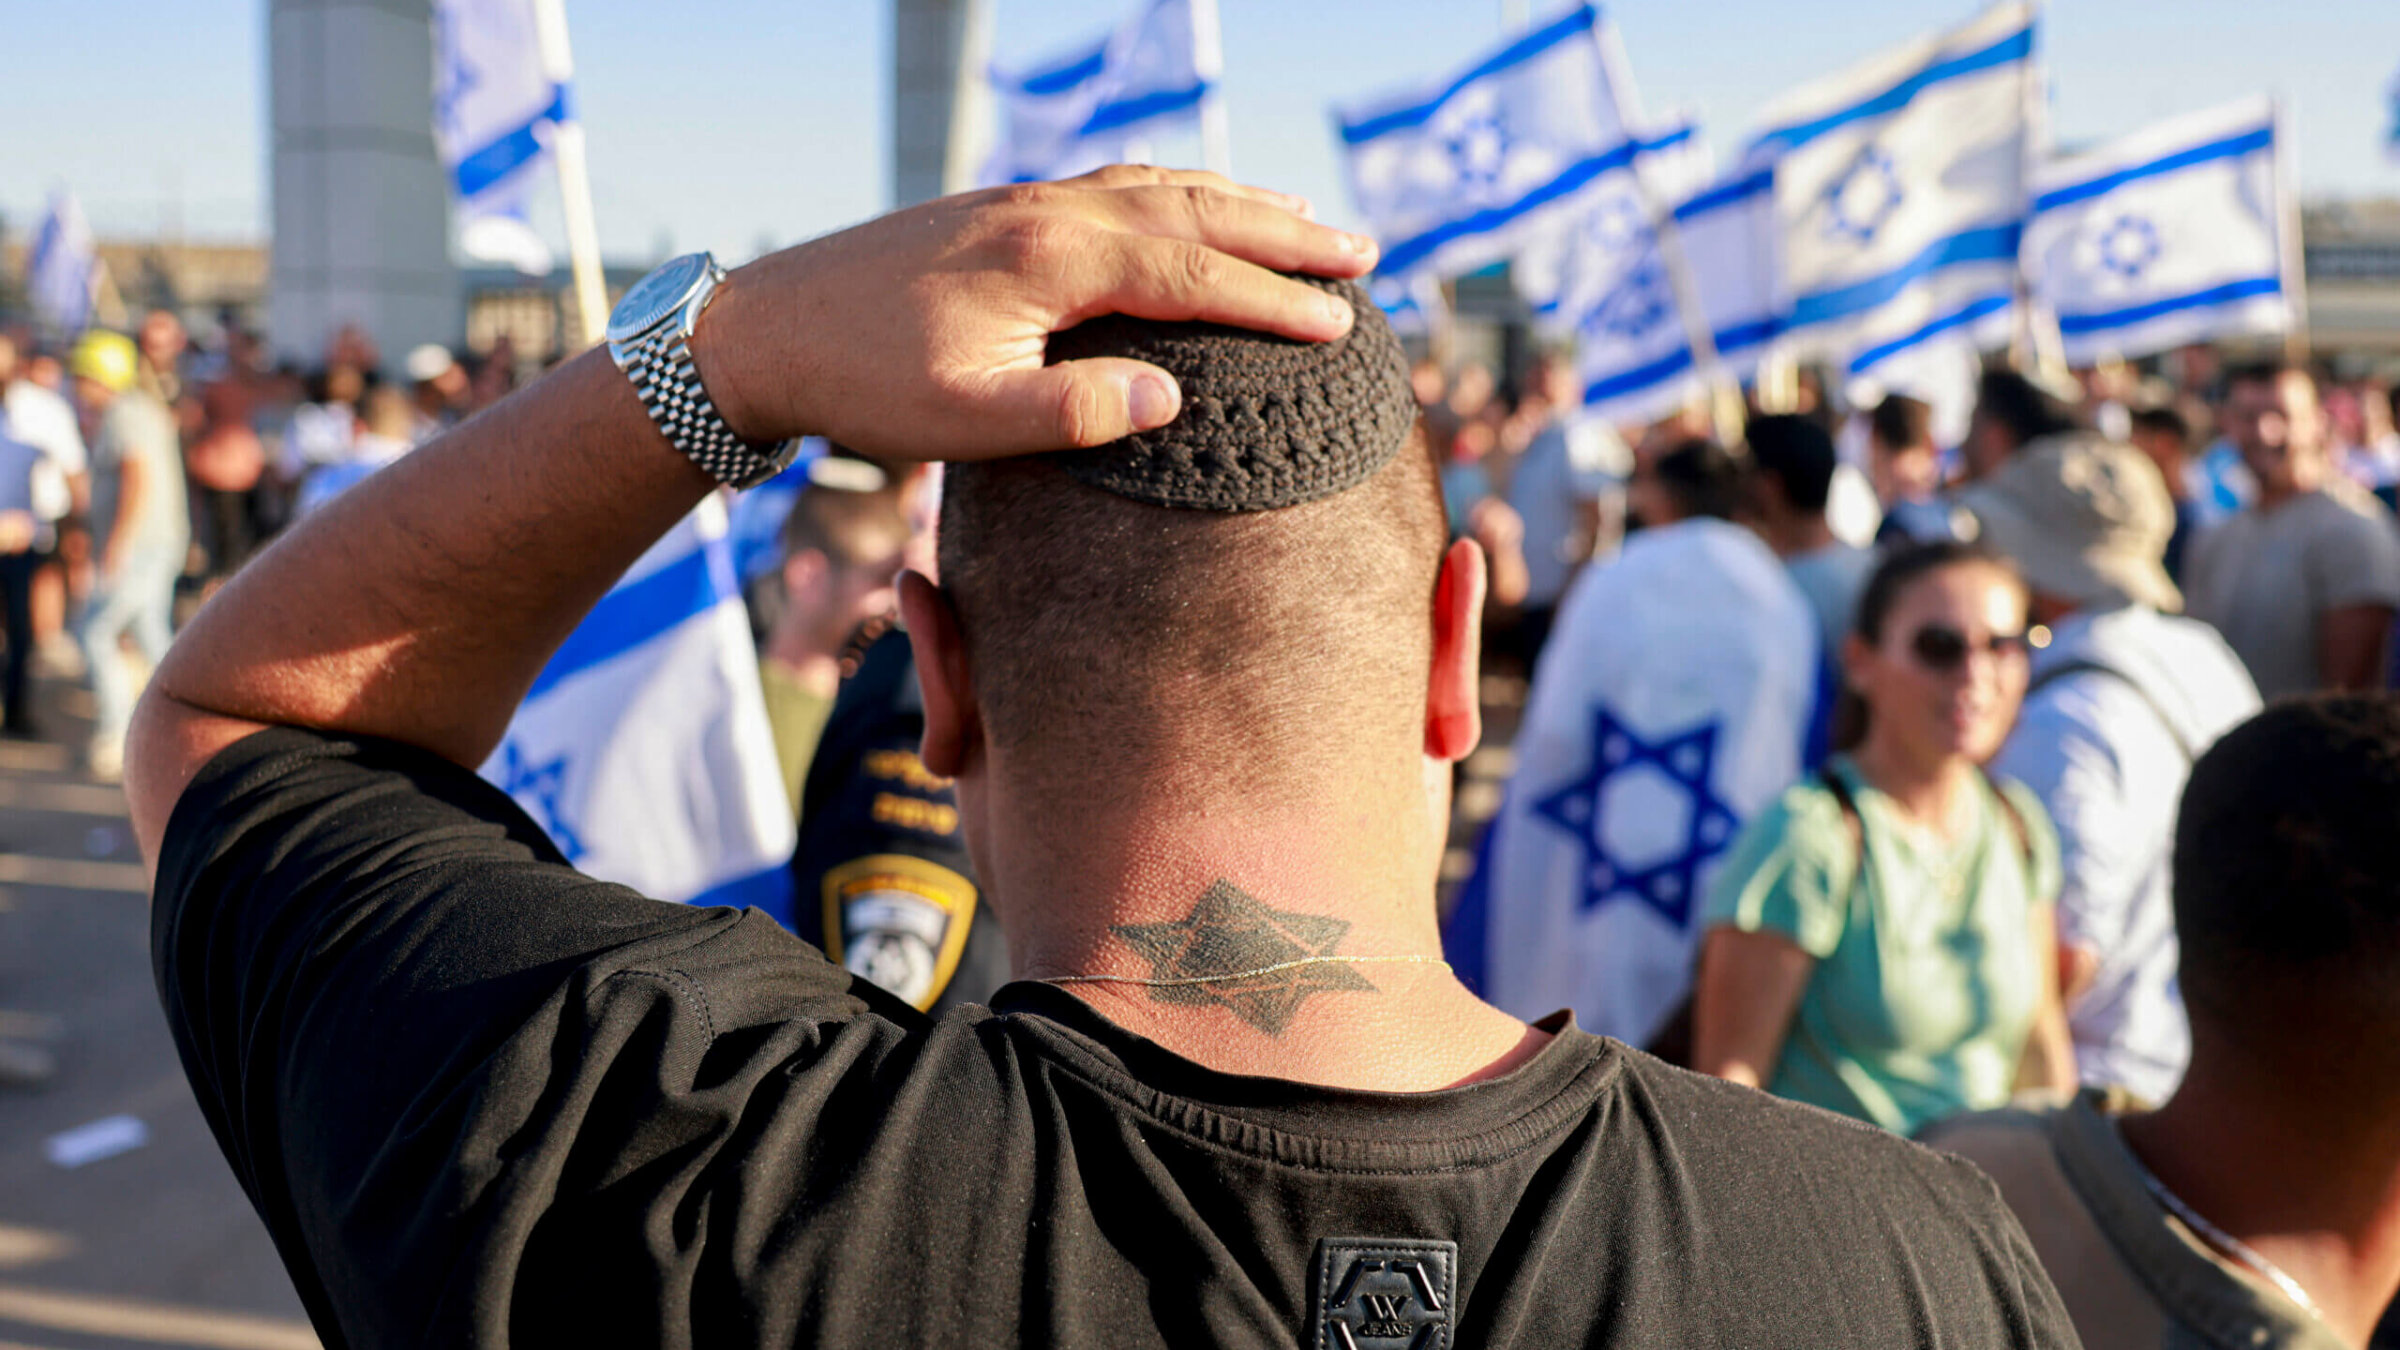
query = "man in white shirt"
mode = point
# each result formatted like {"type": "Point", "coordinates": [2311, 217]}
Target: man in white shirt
{"type": "Point", "coordinates": [43, 419]}
{"type": "Point", "coordinates": [2122, 700]}
{"type": "Point", "coordinates": [1669, 707]}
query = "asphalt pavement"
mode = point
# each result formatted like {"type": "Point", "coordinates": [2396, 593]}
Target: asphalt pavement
{"type": "Point", "coordinates": [154, 1245]}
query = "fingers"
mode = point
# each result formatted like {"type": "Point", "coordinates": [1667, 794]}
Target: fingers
{"type": "Point", "coordinates": [1150, 175]}
{"type": "Point", "coordinates": [1077, 404]}
{"type": "Point", "coordinates": [1174, 280]}
{"type": "Point", "coordinates": [1263, 232]}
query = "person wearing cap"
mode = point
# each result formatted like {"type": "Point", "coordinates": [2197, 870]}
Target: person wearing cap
{"type": "Point", "coordinates": [140, 532]}
{"type": "Point", "coordinates": [438, 384]}
{"type": "Point", "coordinates": [2125, 696]}
{"type": "Point", "coordinates": [1201, 681]}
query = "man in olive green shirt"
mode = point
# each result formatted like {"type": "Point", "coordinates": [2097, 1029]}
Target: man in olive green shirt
{"type": "Point", "coordinates": [2260, 1207]}
{"type": "Point", "coordinates": [842, 547]}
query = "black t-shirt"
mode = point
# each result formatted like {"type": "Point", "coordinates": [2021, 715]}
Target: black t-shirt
{"type": "Point", "coordinates": [481, 1099]}
{"type": "Point", "coordinates": [881, 879]}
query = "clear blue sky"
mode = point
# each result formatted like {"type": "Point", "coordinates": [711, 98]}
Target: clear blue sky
{"type": "Point", "coordinates": [731, 123]}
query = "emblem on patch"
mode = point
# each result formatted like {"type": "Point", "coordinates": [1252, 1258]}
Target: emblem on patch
{"type": "Point", "coordinates": [898, 922]}
{"type": "Point", "coordinates": [1379, 1293]}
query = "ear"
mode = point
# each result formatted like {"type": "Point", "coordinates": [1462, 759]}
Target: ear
{"type": "Point", "coordinates": [1453, 707]}
{"type": "Point", "coordinates": [953, 723]}
{"type": "Point", "coordinates": [1855, 655]}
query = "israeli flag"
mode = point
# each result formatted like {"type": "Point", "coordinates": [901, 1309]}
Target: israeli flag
{"type": "Point", "coordinates": [500, 96]}
{"type": "Point", "coordinates": [1632, 349]}
{"type": "Point", "coordinates": [62, 273]}
{"type": "Point", "coordinates": [1668, 708]}
{"type": "Point", "coordinates": [1413, 305]}
{"type": "Point", "coordinates": [1556, 273]}
{"type": "Point", "coordinates": [1901, 189]}
{"type": "Point", "coordinates": [1157, 72]}
{"type": "Point", "coordinates": [643, 747]}
{"type": "Point", "coordinates": [1462, 173]}
{"type": "Point", "coordinates": [2170, 236]}
{"type": "Point", "coordinates": [2391, 113]}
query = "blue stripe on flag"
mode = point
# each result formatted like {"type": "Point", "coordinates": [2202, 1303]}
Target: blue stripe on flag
{"type": "Point", "coordinates": [1126, 112]}
{"type": "Point", "coordinates": [2230, 147]}
{"type": "Point", "coordinates": [1958, 318]}
{"type": "Point", "coordinates": [1726, 194]}
{"type": "Point", "coordinates": [1985, 243]}
{"type": "Point", "coordinates": [1408, 253]}
{"type": "Point", "coordinates": [638, 611]}
{"type": "Point", "coordinates": [510, 151]}
{"type": "Point", "coordinates": [1064, 76]}
{"type": "Point", "coordinates": [2247, 289]}
{"type": "Point", "coordinates": [2017, 46]}
{"type": "Point", "coordinates": [769, 889]}
{"type": "Point", "coordinates": [1582, 20]}
{"type": "Point", "coordinates": [1730, 339]}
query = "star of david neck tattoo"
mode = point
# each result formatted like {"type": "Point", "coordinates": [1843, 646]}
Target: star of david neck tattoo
{"type": "Point", "coordinates": [1233, 952]}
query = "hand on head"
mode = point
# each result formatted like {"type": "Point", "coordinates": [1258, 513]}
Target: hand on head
{"type": "Point", "coordinates": [921, 335]}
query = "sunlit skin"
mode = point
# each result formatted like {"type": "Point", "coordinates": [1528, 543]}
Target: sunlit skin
{"type": "Point", "coordinates": [1921, 716]}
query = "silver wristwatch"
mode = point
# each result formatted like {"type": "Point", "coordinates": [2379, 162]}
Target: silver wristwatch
{"type": "Point", "coordinates": [650, 334]}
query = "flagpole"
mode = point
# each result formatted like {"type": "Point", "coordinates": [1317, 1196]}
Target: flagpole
{"type": "Point", "coordinates": [1725, 396]}
{"type": "Point", "coordinates": [1208, 62]}
{"type": "Point", "coordinates": [969, 96]}
{"type": "Point", "coordinates": [574, 180]}
{"type": "Point", "coordinates": [2296, 345]}
{"type": "Point", "coordinates": [2023, 348]}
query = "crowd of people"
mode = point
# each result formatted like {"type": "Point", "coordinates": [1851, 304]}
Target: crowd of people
{"type": "Point", "coordinates": [1932, 785]}
{"type": "Point", "coordinates": [138, 471]}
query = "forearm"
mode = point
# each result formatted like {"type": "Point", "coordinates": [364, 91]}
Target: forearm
{"type": "Point", "coordinates": [2048, 1065]}
{"type": "Point", "coordinates": [1743, 1002]}
{"type": "Point", "coordinates": [420, 605]}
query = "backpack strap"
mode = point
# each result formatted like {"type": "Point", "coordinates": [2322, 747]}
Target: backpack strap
{"type": "Point", "coordinates": [2067, 670]}
{"type": "Point", "coordinates": [2017, 828]}
{"type": "Point", "coordinates": [1852, 824]}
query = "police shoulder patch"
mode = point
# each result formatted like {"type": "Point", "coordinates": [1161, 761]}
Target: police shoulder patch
{"type": "Point", "coordinates": [1384, 1293]}
{"type": "Point", "coordinates": [899, 922]}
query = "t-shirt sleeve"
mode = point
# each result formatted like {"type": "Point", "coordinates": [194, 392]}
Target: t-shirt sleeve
{"type": "Point", "coordinates": [2356, 561]}
{"type": "Point", "coordinates": [418, 1033]}
{"type": "Point", "coordinates": [1789, 873]}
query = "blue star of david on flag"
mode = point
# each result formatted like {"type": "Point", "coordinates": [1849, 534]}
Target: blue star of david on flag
{"type": "Point", "coordinates": [2128, 246]}
{"type": "Point", "coordinates": [1860, 201]}
{"type": "Point", "coordinates": [1687, 760]}
{"type": "Point", "coordinates": [1478, 148]}
{"type": "Point", "coordinates": [537, 787]}
{"type": "Point", "coordinates": [1640, 302]}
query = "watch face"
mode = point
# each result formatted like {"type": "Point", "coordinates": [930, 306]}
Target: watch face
{"type": "Point", "coordinates": [656, 296]}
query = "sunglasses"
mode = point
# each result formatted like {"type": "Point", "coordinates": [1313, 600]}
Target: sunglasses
{"type": "Point", "coordinates": [1943, 649]}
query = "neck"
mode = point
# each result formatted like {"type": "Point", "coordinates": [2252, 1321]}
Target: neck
{"type": "Point", "coordinates": [2307, 476]}
{"type": "Point", "coordinates": [2293, 1154]}
{"type": "Point", "coordinates": [819, 670]}
{"type": "Point", "coordinates": [1794, 535]}
{"type": "Point", "coordinates": [1151, 879]}
{"type": "Point", "coordinates": [1927, 788]}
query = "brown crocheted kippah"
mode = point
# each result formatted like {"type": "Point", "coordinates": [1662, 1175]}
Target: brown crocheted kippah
{"type": "Point", "coordinates": [1266, 421]}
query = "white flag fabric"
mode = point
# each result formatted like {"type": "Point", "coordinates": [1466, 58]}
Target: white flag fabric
{"type": "Point", "coordinates": [1559, 272]}
{"type": "Point", "coordinates": [2169, 236]}
{"type": "Point", "coordinates": [62, 272]}
{"type": "Point", "coordinates": [2391, 119]}
{"type": "Point", "coordinates": [1462, 173]}
{"type": "Point", "coordinates": [1412, 304]}
{"type": "Point", "coordinates": [1901, 188]}
{"type": "Point", "coordinates": [643, 748]}
{"type": "Point", "coordinates": [500, 95]}
{"type": "Point", "coordinates": [1667, 709]}
{"type": "Point", "coordinates": [1153, 74]}
{"type": "Point", "coordinates": [1633, 355]}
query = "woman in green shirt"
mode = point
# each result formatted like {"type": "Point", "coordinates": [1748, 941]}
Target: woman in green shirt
{"type": "Point", "coordinates": [1880, 942]}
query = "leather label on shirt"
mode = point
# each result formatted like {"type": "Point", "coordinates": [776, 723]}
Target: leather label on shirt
{"type": "Point", "coordinates": [1384, 1293]}
{"type": "Point", "coordinates": [898, 921]}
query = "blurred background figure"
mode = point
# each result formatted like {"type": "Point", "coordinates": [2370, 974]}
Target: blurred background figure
{"type": "Point", "coordinates": [1791, 476]}
{"type": "Point", "coordinates": [2011, 412]}
{"type": "Point", "coordinates": [2255, 1206]}
{"type": "Point", "coordinates": [140, 527]}
{"type": "Point", "coordinates": [843, 545]}
{"type": "Point", "coordinates": [1881, 941]}
{"type": "Point", "coordinates": [1906, 469]}
{"type": "Point", "coordinates": [225, 465]}
{"type": "Point", "coordinates": [1568, 493]}
{"type": "Point", "coordinates": [40, 417]}
{"type": "Point", "coordinates": [2164, 435]}
{"type": "Point", "coordinates": [2121, 700]}
{"type": "Point", "coordinates": [2304, 580]}
{"type": "Point", "coordinates": [386, 431]}
{"type": "Point", "coordinates": [1670, 705]}
{"type": "Point", "coordinates": [438, 385]}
